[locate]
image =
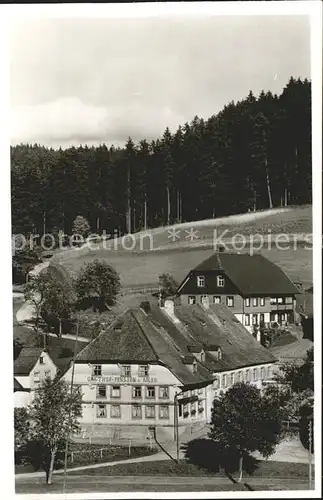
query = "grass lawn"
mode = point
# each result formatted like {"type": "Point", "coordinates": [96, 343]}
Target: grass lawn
{"type": "Point", "coordinates": [87, 454]}
{"type": "Point", "coordinates": [170, 468]}
{"type": "Point", "coordinates": [142, 266]}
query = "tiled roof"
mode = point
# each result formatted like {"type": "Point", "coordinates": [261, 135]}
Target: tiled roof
{"type": "Point", "coordinates": [139, 337]}
{"type": "Point", "coordinates": [252, 274]}
{"type": "Point", "coordinates": [26, 360]}
{"type": "Point", "coordinates": [218, 327]}
{"type": "Point", "coordinates": [123, 341]}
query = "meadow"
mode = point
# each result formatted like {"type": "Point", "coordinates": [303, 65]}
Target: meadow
{"type": "Point", "coordinates": [140, 267]}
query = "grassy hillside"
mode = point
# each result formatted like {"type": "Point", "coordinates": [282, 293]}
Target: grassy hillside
{"type": "Point", "coordinates": [140, 267]}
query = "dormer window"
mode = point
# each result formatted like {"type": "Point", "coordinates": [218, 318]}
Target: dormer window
{"type": "Point", "coordinates": [201, 281]}
{"type": "Point", "coordinates": [41, 360]}
{"type": "Point", "coordinates": [202, 356]}
{"type": "Point", "coordinates": [219, 353]}
{"type": "Point", "coordinates": [194, 366]}
{"type": "Point", "coordinates": [220, 281]}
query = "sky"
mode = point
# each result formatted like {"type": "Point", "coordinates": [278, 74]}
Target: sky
{"type": "Point", "coordinates": [88, 81]}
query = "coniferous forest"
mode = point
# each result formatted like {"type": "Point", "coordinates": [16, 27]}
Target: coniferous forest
{"type": "Point", "coordinates": [252, 155]}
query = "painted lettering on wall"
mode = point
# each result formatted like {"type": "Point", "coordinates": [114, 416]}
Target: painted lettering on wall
{"type": "Point", "coordinates": [119, 379]}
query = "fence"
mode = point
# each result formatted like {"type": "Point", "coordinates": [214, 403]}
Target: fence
{"type": "Point", "coordinates": [140, 290]}
{"type": "Point", "coordinates": [100, 452]}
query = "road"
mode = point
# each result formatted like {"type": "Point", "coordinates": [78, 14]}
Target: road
{"type": "Point", "coordinates": [102, 484]}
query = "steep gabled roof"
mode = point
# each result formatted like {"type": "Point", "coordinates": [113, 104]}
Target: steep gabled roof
{"type": "Point", "coordinates": [138, 337]}
{"type": "Point", "coordinates": [218, 327]}
{"type": "Point", "coordinates": [123, 340]}
{"type": "Point", "coordinates": [26, 360]}
{"type": "Point", "coordinates": [252, 274]}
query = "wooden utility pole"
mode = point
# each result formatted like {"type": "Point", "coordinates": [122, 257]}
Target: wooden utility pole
{"type": "Point", "coordinates": [310, 454]}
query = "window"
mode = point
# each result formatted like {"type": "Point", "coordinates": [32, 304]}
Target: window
{"type": "Point", "coordinates": [47, 373]}
{"type": "Point", "coordinates": [232, 379]}
{"type": "Point", "coordinates": [203, 299]}
{"type": "Point", "coordinates": [216, 299]}
{"type": "Point", "coordinates": [200, 406]}
{"type": "Point", "coordinates": [261, 318]}
{"type": "Point", "coordinates": [273, 300]}
{"type": "Point", "coordinates": [247, 302]}
{"type": "Point", "coordinates": [280, 300]}
{"type": "Point", "coordinates": [150, 392]}
{"type": "Point", "coordinates": [136, 392]}
{"type": "Point", "coordinates": [126, 371]}
{"type": "Point", "coordinates": [247, 319]}
{"type": "Point", "coordinates": [269, 371]}
{"type": "Point", "coordinates": [240, 377]}
{"type": "Point", "coordinates": [136, 411]}
{"type": "Point", "coordinates": [216, 383]}
{"type": "Point", "coordinates": [41, 360]}
{"type": "Point", "coordinates": [224, 380]}
{"type": "Point", "coordinates": [255, 374]}
{"type": "Point", "coordinates": [101, 391]}
{"type": "Point", "coordinates": [262, 373]}
{"type": "Point", "coordinates": [230, 301]}
{"type": "Point", "coordinates": [200, 391]}
{"type": "Point", "coordinates": [254, 319]}
{"type": "Point", "coordinates": [150, 411]}
{"type": "Point", "coordinates": [163, 392]}
{"type": "Point", "coordinates": [101, 411]}
{"type": "Point", "coordinates": [115, 391]}
{"type": "Point", "coordinates": [254, 301]}
{"type": "Point", "coordinates": [191, 299]}
{"type": "Point", "coordinates": [202, 357]}
{"type": "Point", "coordinates": [163, 411]}
{"type": "Point", "coordinates": [194, 366]}
{"type": "Point", "coordinates": [36, 375]}
{"type": "Point", "coordinates": [247, 375]}
{"type": "Point", "coordinates": [115, 411]}
{"type": "Point", "coordinates": [201, 281]}
{"type": "Point", "coordinates": [143, 370]}
{"type": "Point", "coordinates": [262, 301]}
{"type": "Point", "coordinates": [288, 300]}
{"type": "Point", "coordinates": [97, 370]}
{"type": "Point", "coordinates": [220, 281]}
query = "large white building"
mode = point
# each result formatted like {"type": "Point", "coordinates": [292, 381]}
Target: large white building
{"type": "Point", "coordinates": [153, 360]}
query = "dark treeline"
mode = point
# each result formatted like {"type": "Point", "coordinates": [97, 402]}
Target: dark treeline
{"type": "Point", "coordinates": [254, 154]}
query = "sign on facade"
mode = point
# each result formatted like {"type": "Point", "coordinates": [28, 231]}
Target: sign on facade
{"type": "Point", "coordinates": [119, 379]}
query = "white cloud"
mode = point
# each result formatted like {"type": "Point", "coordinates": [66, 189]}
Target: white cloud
{"type": "Point", "coordinates": [68, 120]}
{"type": "Point", "coordinates": [101, 80]}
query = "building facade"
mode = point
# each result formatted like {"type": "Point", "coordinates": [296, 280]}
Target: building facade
{"type": "Point", "coordinates": [162, 367]}
{"type": "Point", "coordinates": [255, 290]}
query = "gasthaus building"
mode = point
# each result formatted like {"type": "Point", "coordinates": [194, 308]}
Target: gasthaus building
{"type": "Point", "coordinates": [252, 287]}
{"type": "Point", "coordinates": [161, 367]}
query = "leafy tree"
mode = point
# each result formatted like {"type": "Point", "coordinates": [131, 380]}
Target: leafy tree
{"type": "Point", "coordinates": [243, 420]}
{"type": "Point", "coordinates": [296, 392]}
{"type": "Point", "coordinates": [22, 428]}
{"type": "Point", "coordinates": [35, 294]}
{"type": "Point", "coordinates": [168, 285]}
{"type": "Point", "coordinates": [59, 301]}
{"type": "Point", "coordinates": [97, 286]}
{"type": "Point", "coordinates": [54, 413]}
{"type": "Point", "coordinates": [81, 226]}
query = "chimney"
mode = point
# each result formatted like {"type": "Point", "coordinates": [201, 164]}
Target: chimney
{"type": "Point", "coordinates": [169, 306]}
